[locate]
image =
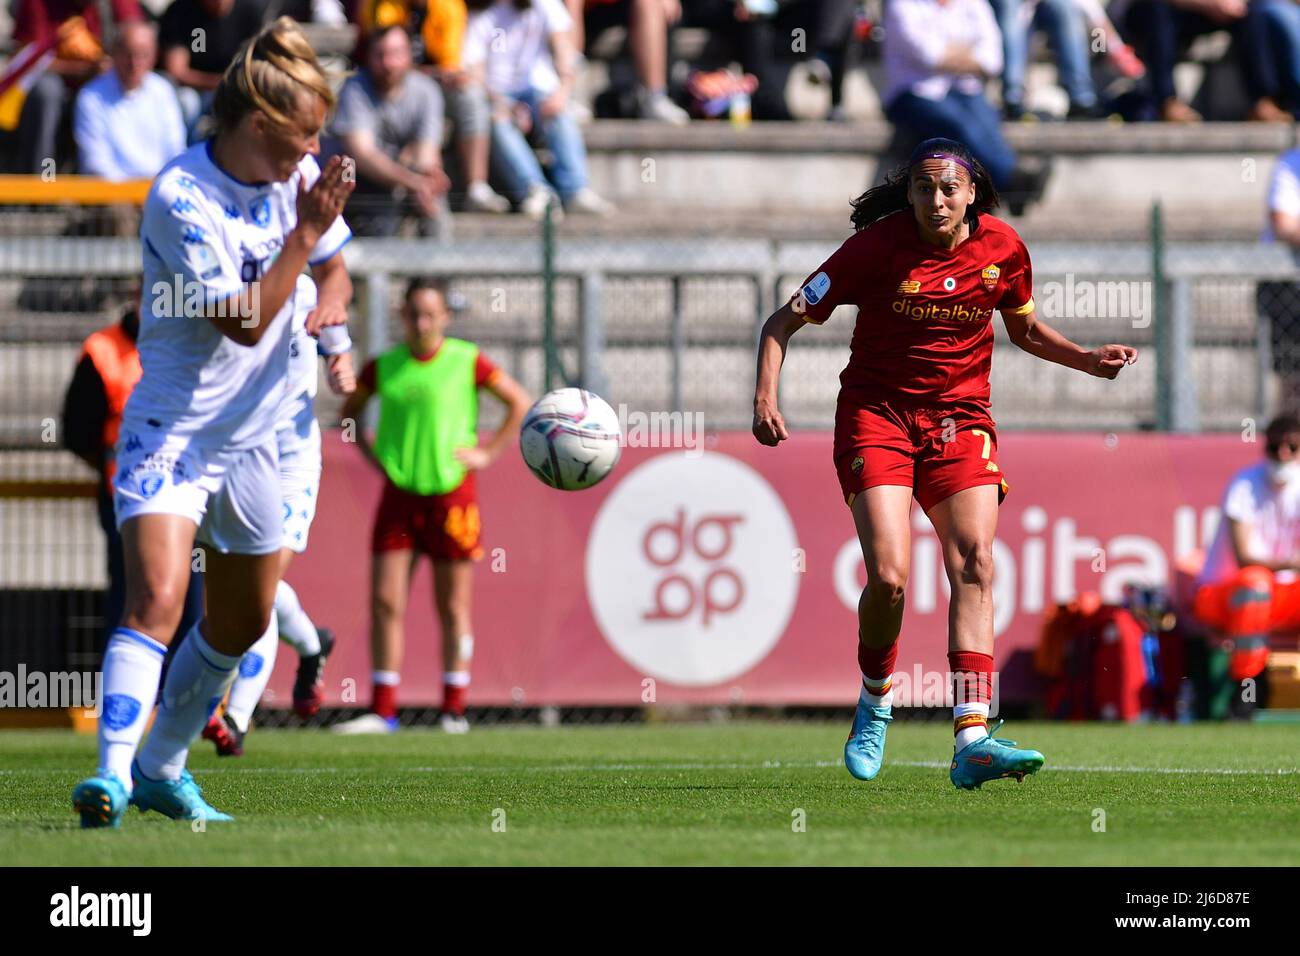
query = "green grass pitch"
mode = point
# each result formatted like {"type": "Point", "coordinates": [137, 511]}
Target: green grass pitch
{"type": "Point", "coordinates": [684, 794]}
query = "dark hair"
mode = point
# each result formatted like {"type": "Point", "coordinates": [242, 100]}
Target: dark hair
{"type": "Point", "coordinates": [1287, 423]}
{"type": "Point", "coordinates": [476, 5]}
{"type": "Point", "coordinates": [382, 31]}
{"type": "Point", "coordinates": [426, 284]}
{"type": "Point", "coordinates": [891, 195]}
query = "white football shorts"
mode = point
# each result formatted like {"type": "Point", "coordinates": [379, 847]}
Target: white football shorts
{"type": "Point", "coordinates": [233, 496]}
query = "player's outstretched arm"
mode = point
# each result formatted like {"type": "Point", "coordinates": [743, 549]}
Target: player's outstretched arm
{"type": "Point", "coordinates": [769, 426]}
{"type": "Point", "coordinates": [1038, 338]}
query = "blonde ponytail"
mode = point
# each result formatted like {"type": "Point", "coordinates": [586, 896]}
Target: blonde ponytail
{"type": "Point", "coordinates": [269, 73]}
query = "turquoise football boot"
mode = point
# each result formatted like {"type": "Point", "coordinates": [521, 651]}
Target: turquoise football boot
{"type": "Point", "coordinates": [865, 750]}
{"type": "Point", "coordinates": [179, 799]}
{"type": "Point", "coordinates": [101, 800]}
{"type": "Point", "coordinates": [992, 759]}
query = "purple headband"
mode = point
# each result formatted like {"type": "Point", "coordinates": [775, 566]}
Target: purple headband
{"type": "Point", "coordinates": [939, 155]}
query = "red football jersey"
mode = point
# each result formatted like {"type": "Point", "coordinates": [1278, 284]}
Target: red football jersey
{"type": "Point", "coordinates": [924, 333]}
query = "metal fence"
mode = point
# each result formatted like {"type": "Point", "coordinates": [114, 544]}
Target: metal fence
{"type": "Point", "coordinates": [664, 324]}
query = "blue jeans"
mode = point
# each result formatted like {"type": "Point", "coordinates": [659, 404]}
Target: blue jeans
{"type": "Point", "coordinates": [967, 118]}
{"type": "Point", "coordinates": [1273, 32]}
{"type": "Point", "coordinates": [514, 163]}
{"type": "Point", "coordinates": [1064, 26]}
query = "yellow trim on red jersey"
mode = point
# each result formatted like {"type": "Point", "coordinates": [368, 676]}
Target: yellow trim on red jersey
{"type": "Point", "coordinates": [1020, 310]}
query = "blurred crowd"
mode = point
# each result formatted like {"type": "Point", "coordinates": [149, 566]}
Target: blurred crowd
{"type": "Point", "coordinates": [482, 93]}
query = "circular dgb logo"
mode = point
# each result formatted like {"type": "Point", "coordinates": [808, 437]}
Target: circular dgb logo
{"type": "Point", "coordinates": [690, 568]}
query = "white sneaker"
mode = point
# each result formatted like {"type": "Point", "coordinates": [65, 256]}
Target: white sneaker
{"type": "Point", "coordinates": [819, 72]}
{"type": "Point", "coordinates": [452, 724]}
{"type": "Point", "coordinates": [480, 197]}
{"type": "Point", "coordinates": [534, 204]}
{"type": "Point", "coordinates": [586, 201]}
{"type": "Point", "coordinates": [367, 723]}
{"type": "Point", "coordinates": [658, 107]}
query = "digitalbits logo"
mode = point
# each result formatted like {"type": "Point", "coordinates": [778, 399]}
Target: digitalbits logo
{"type": "Point", "coordinates": [689, 569]}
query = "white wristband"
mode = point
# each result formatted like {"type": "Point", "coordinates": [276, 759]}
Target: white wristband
{"type": "Point", "coordinates": [334, 340]}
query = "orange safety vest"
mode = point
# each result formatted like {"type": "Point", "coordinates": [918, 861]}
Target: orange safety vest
{"type": "Point", "coordinates": [117, 361]}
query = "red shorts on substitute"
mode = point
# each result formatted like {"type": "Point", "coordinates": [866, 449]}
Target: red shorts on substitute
{"type": "Point", "coordinates": [935, 452]}
{"type": "Point", "coordinates": [445, 527]}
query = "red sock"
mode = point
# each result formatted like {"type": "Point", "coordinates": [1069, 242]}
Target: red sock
{"type": "Point", "coordinates": [383, 700]}
{"type": "Point", "coordinates": [877, 663]}
{"type": "Point", "coordinates": [972, 679]}
{"type": "Point", "coordinates": [453, 700]}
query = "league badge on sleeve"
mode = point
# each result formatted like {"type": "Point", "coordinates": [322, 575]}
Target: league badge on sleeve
{"type": "Point", "coordinates": [817, 288]}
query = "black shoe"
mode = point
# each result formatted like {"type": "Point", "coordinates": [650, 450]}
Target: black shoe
{"type": "Point", "coordinates": [307, 693]}
{"type": "Point", "coordinates": [1094, 111]}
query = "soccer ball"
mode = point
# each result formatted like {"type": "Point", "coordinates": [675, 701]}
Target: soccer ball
{"type": "Point", "coordinates": [571, 439]}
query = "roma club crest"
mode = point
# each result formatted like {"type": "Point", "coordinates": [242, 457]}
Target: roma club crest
{"type": "Point", "coordinates": [990, 277]}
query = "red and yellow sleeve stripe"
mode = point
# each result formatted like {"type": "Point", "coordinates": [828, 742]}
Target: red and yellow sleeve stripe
{"type": "Point", "coordinates": [1020, 310]}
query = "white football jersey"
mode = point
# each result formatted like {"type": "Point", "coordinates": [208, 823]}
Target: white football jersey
{"type": "Point", "coordinates": [205, 235]}
{"type": "Point", "coordinates": [1271, 510]}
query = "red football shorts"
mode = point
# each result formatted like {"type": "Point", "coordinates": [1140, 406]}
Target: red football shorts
{"type": "Point", "coordinates": [935, 452]}
{"type": "Point", "coordinates": [445, 527]}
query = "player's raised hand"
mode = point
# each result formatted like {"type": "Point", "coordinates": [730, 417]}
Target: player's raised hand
{"type": "Point", "coordinates": [319, 206]}
{"type": "Point", "coordinates": [769, 426]}
{"type": "Point", "coordinates": [1106, 362]}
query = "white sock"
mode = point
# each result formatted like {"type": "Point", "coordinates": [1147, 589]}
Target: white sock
{"type": "Point", "coordinates": [455, 678]}
{"type": "Point", "coordinates": [970, 734]}
{"type": "Point", "coordinates": [196, 682]}
{"type": "Point", "coordinates": [871, 691]}
{"type": "Point", "coordinates": [387, 678]}
{"type": "Point", "coordinates": [132, 667]}
{"type": "Point", "coordinates": [254, 673]}
{"type": "Point", "coordinates": [294, 624]}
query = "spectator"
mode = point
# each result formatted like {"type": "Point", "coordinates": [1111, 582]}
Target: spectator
{"type": "Point", "coordinates": [1249, 587]}
{"type": "Point", "coordinates": [520, 51]}
{"type": "Point", "coordinates": [199, 39]}
{"type": "Point", "coordinates": [1261, 31]}
{"type": "Point", "coordinates": [78, 58]}
{"type": "Point", "coordinates": [938, 53]}
{"type": "Point", "coordinates": [1063, 22]}
{"type": "Point", "coordinates": [1278, 301]}
{"type": "Point", "coordinates": [389, 120]}
{"type": "Point", "coordinates": [127, 121]}
{"type": "Point", "coordinates": [1273, 29]}
{"type": "Point", "coordinates": [836, 21]}
{"type": "Point", "coordinates": [92, 417]}
{"type": "Point", "coordinates": [443, 33]}
{"type": "Point", "coordinates": [757, 28]}
{"type": "Point", "coordinates": [437, 28]}
{"type": "Point", "coordinates": [647, 35]}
